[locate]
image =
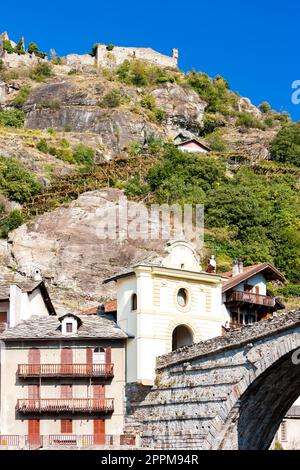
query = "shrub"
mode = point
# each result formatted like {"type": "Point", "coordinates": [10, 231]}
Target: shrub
{"type": "Point", "coordinates": [16, 181]}
{"type": "Point", "coordinates": [159, 114]}
{"type": "Point", "coordinates": [134, 148]}
{"type": "Point", "coordinates": [7, 46]}
{"type": "Point", "coordinates": [32, 48]}
{"type": "Point", "coordinates": [264, 107]}
{"type": "Point", "coordinates": [214, 91]}
{"type": "Point", "coordinates": [11, 222]}
{"type": "Point", "coordinates": [112, 99]}
{"type": "Point", "coordinates": [249, 121]}
{"type": "Point", "coordinates": [109, 47]}
{"type": "Point", "coordinates": [83, 154]}
{"type": "Point", "coordinates": [22, 96]}
{"type": "Point", "coordinates": [20, 47]}
{"type": "Point", "coordinates": [1, 65]}
{"type": "Point", "coordinates": [211, 123]}
{"type": "Point", "coordinates": [42, 146]}
{"type": "Point", "coordinates": [148, 102]}
{"type": "Point", "coordinates": [269, 122]}
{"type": "Point", "coordinates": [134, 187]}
{"type": "Point", "coordinates": [40, 71]}
{"type": "Point", "coordinates": [216, 142]}
{"type": "Point", "coordinates": [12, 118]}
{"type": "Point", "coordinates": [285, 147]}
{"type": "Point", "coordinates": [67, 128]}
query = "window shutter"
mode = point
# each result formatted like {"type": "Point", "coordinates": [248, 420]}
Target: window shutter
{"type": "Point", "coordinates": [34, 356]}
{"type": "Point", "coordinates": [33, 392]}
{"type": "Point", "coordinates": [66, 391]}
{"type": "Point", "coordinates": [66, 356]}
{"type": "Point", "coordinates": [98, 391]}
{"type": "Point", "coordinates": [89, 356]}
{"type": "Point", "coordinates": [66, 426]}
{"type": "Point", "coordinates": [108, 355]}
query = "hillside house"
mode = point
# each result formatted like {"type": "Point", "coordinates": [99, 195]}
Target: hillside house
{"type": "Point", "coordinates": [245, 298]}
{"type": "Point", "coordinates": [19, 301]}
{"type": "Point", "coordinates": [190, 145]}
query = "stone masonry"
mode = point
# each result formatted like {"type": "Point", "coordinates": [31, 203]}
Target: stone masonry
{"type": "Point", "coordinates": [117, 55]}
{"type": "Point", "coordinates": [229, 392]}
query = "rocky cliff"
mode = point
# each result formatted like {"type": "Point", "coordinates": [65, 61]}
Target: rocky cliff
{"type": "Point", "coordinates": [66, 107]}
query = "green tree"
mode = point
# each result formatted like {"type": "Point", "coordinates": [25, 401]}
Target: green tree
{"type": "Point", "coordinates": [285, 147]}
{"type": "Point", "coordinates": [32, 48]}
{"type": "Point", "coordinates": [12, 118]}
{"type": "Point", "coordinates": [16, 181]}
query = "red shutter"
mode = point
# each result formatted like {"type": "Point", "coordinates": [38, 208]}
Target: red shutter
{"type": "Point", "coordinates": [99, 431]}
{"type": "Point", "coordinates": [66, 391]}
{"type": "Point", "coordinates": [66, 356]}
{"type": "Point", "coordinates": [89, 356]}
{"type": "Point", "coordinates": [66, 426]}
{"type": "Point", "coordinates": [34, 356]}
{"type": "Point", "coordinates": [33, 392]}
{"type": "Point", "coordinates": [108, 355]}
{"type": "Point", "coordinates": [98, 391]}
{"type": "Point", "coordinates": [34, 437]}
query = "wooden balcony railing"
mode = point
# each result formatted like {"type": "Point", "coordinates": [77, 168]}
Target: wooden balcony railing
{"type": "Point", "coordinates": [66, 370]}
{"type": "Point", "coordinates": [61, 405]}
{"type": "Point", "coordinates": [9, 440]}
{"type": "Point", "coordinates": [251, 298]}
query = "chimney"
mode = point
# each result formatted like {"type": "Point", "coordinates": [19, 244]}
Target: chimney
{"type": "Point", "coordinates": [235, 268]}
{"type": "Point", "coordinates": [36, 275]}
{"type": "Point", "coordinates": [211, 266]}
{"type": "Point", "coordinates": [241, 266]}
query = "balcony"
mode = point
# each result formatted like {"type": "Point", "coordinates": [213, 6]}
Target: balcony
{"type": "Point", "coordinates": [65, 370]}
{"type": "Point", "coordinates": [62, 405]}
{"type": "Point", "coordinates": [250, 298]}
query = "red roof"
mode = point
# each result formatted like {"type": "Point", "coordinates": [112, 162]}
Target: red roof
{"type": "Point", "coordinates": [110, 306]}
{"type": "Point", "coordinates": [269, 271]}
{"type": "Point", "coordinates": [89, 311]}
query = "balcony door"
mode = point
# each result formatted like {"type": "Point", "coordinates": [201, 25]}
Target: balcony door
{"type": "Point", "coordinates": [34, 437]}
{"type": "Point", "coordinates": [34, 360]}
{"type": "Point", "coordinates": [67, 361]}
{"type": "Point", "coordinates": [99, 356]}
{"type": "Point", "coordinates": [99, 432]}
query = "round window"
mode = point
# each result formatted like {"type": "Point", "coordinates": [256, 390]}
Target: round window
{"type": "Point", "coordinates": [182, 297]}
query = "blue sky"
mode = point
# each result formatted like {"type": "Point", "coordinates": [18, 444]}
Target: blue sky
{"type": "Point", "coordinates": [254, 45]}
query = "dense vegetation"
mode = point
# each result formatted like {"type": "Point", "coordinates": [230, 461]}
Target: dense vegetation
{"type": "Point", "coordinates": [247, 215]}
{"type": "Point", "coordinates": [285, 147]}
{"type": "Point", "coordinates": [16, 181]}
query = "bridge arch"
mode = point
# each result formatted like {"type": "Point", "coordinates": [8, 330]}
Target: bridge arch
{"type": "Point", "coordinates": [228, 392]}
{"type": "Point", "coordinates": [259, 411]}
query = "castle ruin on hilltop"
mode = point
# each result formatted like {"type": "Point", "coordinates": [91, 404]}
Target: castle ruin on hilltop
{"type": "Point", "coordinates": [108, 56]}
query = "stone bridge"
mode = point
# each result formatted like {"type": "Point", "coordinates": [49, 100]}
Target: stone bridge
{"type": "Point", "coordinates": [229, 392]}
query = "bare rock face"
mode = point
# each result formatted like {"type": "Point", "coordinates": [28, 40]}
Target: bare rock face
{"type": "Point", "coordinates": [245, 105]}
{"type": "Point", "coordinates": [2, 92]}
{"type": "Point", "coordinates": [65, 244]}
{"type": "Point", "coordinates": [61, 105]}
{"type": "Point", "coordinates": [252, 142]}
{"type": "Point", "coordinates": [184, 108]}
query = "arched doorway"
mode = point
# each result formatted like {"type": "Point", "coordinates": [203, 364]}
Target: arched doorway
{"type": "Point", "coordinates": [182, 336]}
